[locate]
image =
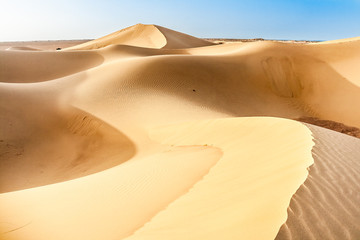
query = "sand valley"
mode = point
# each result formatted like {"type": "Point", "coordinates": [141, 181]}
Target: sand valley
{"type": "Point", "coordinates": [149, 133]}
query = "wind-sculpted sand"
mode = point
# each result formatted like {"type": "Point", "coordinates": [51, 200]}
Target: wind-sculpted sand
{"type": "Point", "coordinates": [149, 133]}
{"type": "Point", "coordinates": [329, 199]}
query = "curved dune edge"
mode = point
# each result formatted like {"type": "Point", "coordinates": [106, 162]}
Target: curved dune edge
{"type": "Point", "coordinates": [252, 79]}
{"type": "Point", "coordinates": [107, 205]}
{"type": "Point", "coordinates": [222, 179]}
{"type": "Point", "coordinates": [245, 171]}
{"type": "Point", "coordinates": [147, 36]}
{"type": "Point", "coordinates": [255, 79]}
{"type": "Point", "coordinates": [246, 194]}
{"type": "Point", "coordinates": [138, 35]}
{"type": "Point", "coordinates": [327, 205]}
{"type": "Point", "coordinates": [175, 40]}
{"type": "Point", "coordinates": [68, 144]}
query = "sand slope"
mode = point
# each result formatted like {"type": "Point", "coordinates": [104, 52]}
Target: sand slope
{"type": "Point", "coordinates": [148, 133]}
{"type": "Point", "coordinates": [189, 174]}
{"type": "Point", "coordinates": [43, 142]}
{"type": "Point", "coordinates": [244, 195]}
{"type": "Point", "coordinates": [326, 206]}
{"type": "Point", "coordinates": [31, 66]}
{"type": "Point", "coordinates": [273, 79]}
{"type": "Point", "coordinates": [151, 36]}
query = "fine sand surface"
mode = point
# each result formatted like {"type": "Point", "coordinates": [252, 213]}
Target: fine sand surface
{"type": "Point", "coordinates": [329, 198]}
{"type": "Point", "coordinates": [149, 133]}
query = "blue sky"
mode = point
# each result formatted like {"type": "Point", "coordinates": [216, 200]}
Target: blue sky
{"type": "Point", "coordinates": [270, 19]}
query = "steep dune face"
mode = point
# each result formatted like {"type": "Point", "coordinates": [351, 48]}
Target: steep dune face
{"type": "Point", "coordinates": [326, 206]}
{"type": "Point", "coordinates": [137, 35]}
{"type": "Point", "coordinates": [319, 83]}
{"type": "Point", "coordinates": [272, 79]}
{"type": "Point", "coordinates": [335, 77]}
{"type": "Point", "coordinates": [196, 181]}
{"type": "Point", "coordinates": [45, 141]}
{"type": "Point", "coordinates": [252, 194]}
{"type": "Point", "coordinates": [343, 56]}
{"type": "Point", "coordinates": [150, 36]}
{"type": "Point", "coordinates": [176, 39]}
{"type": "Point", "coordinates": [149, 133]}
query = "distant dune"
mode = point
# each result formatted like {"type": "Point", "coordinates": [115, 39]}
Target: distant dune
{"type": "Point", "coordinates": [151, 36]}
{"type": "Point", "coordinates": [40, 45]}
{"type": "Point", "coordinates": [149, 133]}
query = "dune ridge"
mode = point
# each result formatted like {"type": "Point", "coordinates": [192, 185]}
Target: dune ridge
{"type": "Point", "coordinates": [193, 216]}
{"type": "Point", "coordinates": [123, 190]}
{"type": "Point", "coordinates": [329, 198]}
{"type": "Point", "coordinates": [142, 35]}
{"type": "Point", "coordinates": [149, 133]}
{"type": "Point", "coordinates": [129, 213]}
{"type": "Point", "coordinates": [77, 144]}
{"type": "Point", "coordinates": [258, 79]}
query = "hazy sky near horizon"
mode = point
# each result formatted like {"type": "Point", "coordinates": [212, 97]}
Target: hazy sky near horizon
{"type": "Point", "coordinates": [22, 20]}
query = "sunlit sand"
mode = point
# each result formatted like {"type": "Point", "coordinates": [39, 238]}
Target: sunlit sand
{"type": "Point", "coordinates": [149, 133]}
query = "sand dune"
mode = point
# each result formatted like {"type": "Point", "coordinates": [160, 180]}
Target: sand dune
{"type": "Point", "coordinates": [164, 177]}
{"type": "Point", "coordinates": [272, 79]}
{"type": "Point", "coordinates": [345, 40]}
{"type": "Point", "coordinates": [246, 192]}
{"type": "Point", "coordinates": [148, 133]}
{"type": "Point", "coordinates": [44, 143]}
{"type": "Point", "coordinates": [141, 35]}
{"type": "Point", "coordinates": [329, 198]}
{"type": "Point", "coordinates": [31, 66]}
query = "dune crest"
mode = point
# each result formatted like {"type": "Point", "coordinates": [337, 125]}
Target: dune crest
{"type": "Point", "coordinates": [189, 175]}
{"type": "Point", "coordinates": [329, 196]}
{"type": "Point", "coordinates": [149, 133]}
{"type": "Point", "coordinates": [245, 195]}
{"type": "Point", "coordinates": [142, 35]}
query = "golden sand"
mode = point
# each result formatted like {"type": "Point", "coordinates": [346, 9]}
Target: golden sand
{"type": "Point", "coordinates": [149, 133]}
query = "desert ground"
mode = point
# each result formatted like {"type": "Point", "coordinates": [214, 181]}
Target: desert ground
{"type": "Point", "coordinates": [149, 133]}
